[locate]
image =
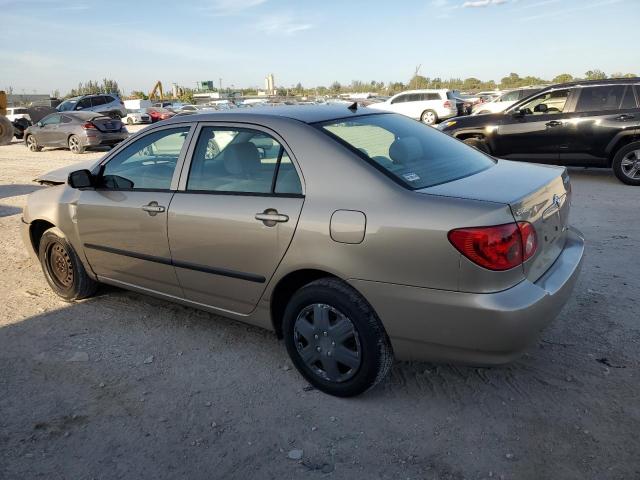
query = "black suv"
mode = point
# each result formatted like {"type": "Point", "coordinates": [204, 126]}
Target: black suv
{"type": "Point", "coordinates": [587, 123]}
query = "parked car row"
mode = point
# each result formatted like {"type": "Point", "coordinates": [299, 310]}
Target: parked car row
{"type": "Point", "coordinates": [107, 104]}
{"type": "Point", "coordinates": [587, 123]}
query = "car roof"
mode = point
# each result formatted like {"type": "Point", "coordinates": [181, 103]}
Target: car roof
{"type": "Point", "coordinates": [301, 113]}
{"type": "Point", "coordinates": [83, 115]}
{"type": "Point", "coordinates": [594, 83]}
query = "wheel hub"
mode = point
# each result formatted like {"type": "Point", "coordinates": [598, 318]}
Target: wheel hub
{"type": "Point", "coordinates": [327, 342]}
{"type": "Point", "coordinates": [60, 266]}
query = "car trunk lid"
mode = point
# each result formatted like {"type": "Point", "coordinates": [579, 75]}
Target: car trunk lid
{"type": "Point", "coordinates": [107, 124]}
{"type": "Point", "coordinates": [536, 194]}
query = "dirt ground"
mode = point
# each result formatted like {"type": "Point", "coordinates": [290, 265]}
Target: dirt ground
{"type": "Point", "coordinates": [124, 386]}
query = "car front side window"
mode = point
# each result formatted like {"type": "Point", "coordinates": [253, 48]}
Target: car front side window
{"type": "Point", "coordinates": [548, 103]}
{"type": "Point", "coordinates": [51, 120]}
{"type": "Point", "coordinates": [229, 160]}
{"type": "Point", "coordinates": [146, 164]}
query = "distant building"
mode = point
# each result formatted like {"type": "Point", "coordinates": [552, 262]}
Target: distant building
{"type": "Point", "coordinates": [269, 85]}
{"type": "Point", "coordinates": [29, 99]}
{"type": "Point", "coordinates": [206, 85]}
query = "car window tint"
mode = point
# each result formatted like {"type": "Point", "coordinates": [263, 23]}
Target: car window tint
{"type": "Point", "coordinates": [548, 103]}
{"type": "Point", "coordinates": [399, 99]}
{"type": "Point", "coordinates": [67, 106]}
{"type": "Point", "coordinates": [288, 180]}
{"type": "Point", "coordinates": [233, 160]}
{"type": "Point", "coordinates": [51, 120]}
{"type": "Point", "coordinates": [415, 154]}
{"type": "Point", "coordinates": [84, 103]}
{"type": "Point", "coordinates": [511, 96]}
{"type": "Point", "coordinates": [147, 163]}
{"type": "Point", "coordinates": [594, 99]}
{"type": "Point", "coordinates": [628, 100]}
{"type": "Point", "coordinates": [97, 100]}
{"type": "Point", "coordinates": [108, 99]}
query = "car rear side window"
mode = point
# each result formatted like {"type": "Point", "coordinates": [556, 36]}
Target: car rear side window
{"type": "Point", "coordinates": [147, 163]}
{"type": "Point", "coordinates": [629, 99]}
{"type": "Point", "coordinates": [238, 160]}
{"type": "Point", "coordinates": [413, 154]}
{"type": "Point", "coordinates": [97, 101]}
{"type": "Point", "coordinates": [596, 99]}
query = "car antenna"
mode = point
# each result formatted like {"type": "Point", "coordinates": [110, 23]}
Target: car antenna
{"type": "Point", "coordinates": [353, 107]}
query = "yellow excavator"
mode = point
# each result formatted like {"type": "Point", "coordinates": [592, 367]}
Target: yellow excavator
{"type": "Point", "coordinates": [6, 127]}
{"type": "Point", "coordinates": [157, 88]}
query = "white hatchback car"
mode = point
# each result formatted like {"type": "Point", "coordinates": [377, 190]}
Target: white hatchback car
{"type": "Point", "coordinates": [428, 106]}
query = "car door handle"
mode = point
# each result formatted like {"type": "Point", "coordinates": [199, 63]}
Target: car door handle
{"type": "Point", "coordinates": [553, 123]}
{"type": "Point", "coordinates": [625, 116]}
{"type": "Point", "coordinates": [153, 208]}
{"type": "Point", "coordinates": [270, 217]}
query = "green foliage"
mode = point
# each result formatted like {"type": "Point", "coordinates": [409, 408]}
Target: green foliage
{"type": "Point", "coordinates": [595, 75]}
{"type": "Point", "coordinates": [94, 87]}
{"type": "Point", "coordinates": [623, 75]}
{"type": "Point", "coordinates": [335, 87]}
{"type": "Point", "coordinates": [137, 94]}
{"type": "Point", "coordinates": [562, 78]}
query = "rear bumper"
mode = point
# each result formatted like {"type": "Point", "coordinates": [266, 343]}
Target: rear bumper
{"type": "Point", "coordinates": [105, 139]}
{"type": "Point", "coordinates": [485, 329]}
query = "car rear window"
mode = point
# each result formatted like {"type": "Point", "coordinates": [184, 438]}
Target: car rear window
{"type": "Point", "coordinates": [411, 153]}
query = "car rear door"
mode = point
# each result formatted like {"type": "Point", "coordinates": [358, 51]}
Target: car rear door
{"type": "Point", "coordinates": [601, 113]}
{"type": "Point", "coordinates": [537, 131]}
{"type": "Point", "coordinates": [123, 221]}
{"type": "Point", "coordinates": [234, 214]}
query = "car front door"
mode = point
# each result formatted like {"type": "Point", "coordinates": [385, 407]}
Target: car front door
{"type": "Point", "coordinates": [234, 215]}
{"type": "Point", "coordinates": [535, 130]}
{"type": "Point", "coordinates": [123, 220]}
{"type": "Point", "coordinates": [46, 134]}
{"type": "Point", "coordinates": [601, 113]}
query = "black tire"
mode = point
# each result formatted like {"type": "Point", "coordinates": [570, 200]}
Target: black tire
{"type": "Point", "coordinates": [429, 117]}
{"type": "Point", "coordinates": [369, 339]}
{"type": "Point", "coordinates": [32, 144]}
{"type": "Point", "coordinates": [75, 144]}
{"type": "Point", "coordinates": [129, 121]}
{"type": "Point", "coordinates": [62, 268]}
{"type": "Point", "coordinates": [477, 143]}
{"type": "Point", "coordinates": [625, 162]}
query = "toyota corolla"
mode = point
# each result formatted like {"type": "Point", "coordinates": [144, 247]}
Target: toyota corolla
{"type": "Point", "coordinates": [357, 236]}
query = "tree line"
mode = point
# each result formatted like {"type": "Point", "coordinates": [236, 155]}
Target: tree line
{"type": "Point", "coordinates": [471, 84]}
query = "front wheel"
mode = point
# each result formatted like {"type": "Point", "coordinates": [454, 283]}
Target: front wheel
{"type": "Point", "coordinates": [335, 339]}
{"type": "Point", "coordinates": [63, 269]}
{"type": "Point", "coordinates": [129, 121]}
{"type": "Point", "coordinates": [626, 164]}
{"type": "Point", "coordinates": [75, 145]}
{"type": "Point", "coordinates": [429, 117]}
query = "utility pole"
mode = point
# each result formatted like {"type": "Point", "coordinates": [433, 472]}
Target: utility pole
{"type": "Point", "coordinates": [220, 84]}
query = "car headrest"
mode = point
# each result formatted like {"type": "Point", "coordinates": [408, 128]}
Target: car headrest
{"type": "Point", "coordinates": [405, 150]}
{"type": "Point", "coordinates": [241, 158]}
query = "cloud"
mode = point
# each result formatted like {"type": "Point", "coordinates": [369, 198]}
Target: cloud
{"type": "Point", "coordinates": [569, 11]}
{"type": "Point", "coordinates": [482, 3]}
{"type": "Point", "coordinates": [224, 8]}
{"type": "Point", "coordinates": [283, 25]}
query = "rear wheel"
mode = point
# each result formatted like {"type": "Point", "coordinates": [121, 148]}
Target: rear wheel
{"type": "Point", "coordinates": [32, 144]}
{"type": "Point", "coordinates": [478, 143]}
{"type": "Point", "coordinates": [63, 269]}
{"type": "Point", "coordinates": [75, 145]}
{"type": "Point", "coordinates": [335, 339]}
{"type": "Point", "coordinates": [429, 117]}
{"type": "Point", "coordinates": [626, 164]}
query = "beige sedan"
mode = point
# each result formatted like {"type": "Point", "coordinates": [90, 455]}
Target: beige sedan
{"type": "Point", "coordinates": [355, 235]}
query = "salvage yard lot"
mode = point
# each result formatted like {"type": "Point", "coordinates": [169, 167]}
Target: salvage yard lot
{"type": "Point", "coordinates": [127, 386]}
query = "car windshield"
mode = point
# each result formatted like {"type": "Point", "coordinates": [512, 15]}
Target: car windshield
{"type": "Point", "coordinates": [68, 105]}
{"type": "Point", "coordinates": [415, 155]}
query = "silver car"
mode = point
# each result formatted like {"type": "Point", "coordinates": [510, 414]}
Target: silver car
{"type": "Point", "coordinates": [355, 235]}
{"type": "Point", "coordinates": [76, 131]}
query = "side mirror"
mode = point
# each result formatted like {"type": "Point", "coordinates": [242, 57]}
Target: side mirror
{"type": "Point", "coordinates": [518, 113]}
{"type": "Point", "coordinates": [39, 124]}
{"type": "Point", "coordinates": [81, 179]}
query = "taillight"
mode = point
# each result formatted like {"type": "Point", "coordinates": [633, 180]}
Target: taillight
{"type": "Point", "coordinates": [499, 247]}
{"type": "Point", "coordinates": [89, 126]}
{"type": "Point", "coordinates": [447, 104]}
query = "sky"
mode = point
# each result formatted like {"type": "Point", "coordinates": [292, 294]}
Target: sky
{"type": "Point", "coordinates": [48, 45]}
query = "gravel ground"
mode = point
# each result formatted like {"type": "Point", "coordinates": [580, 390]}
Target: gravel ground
{"type": "Point", "coordinates": [127, 386]}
